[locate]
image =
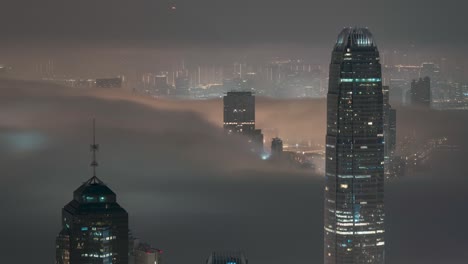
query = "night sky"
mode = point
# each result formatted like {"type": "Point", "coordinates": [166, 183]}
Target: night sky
{"type": "Point", "coordinates": [234, 22]}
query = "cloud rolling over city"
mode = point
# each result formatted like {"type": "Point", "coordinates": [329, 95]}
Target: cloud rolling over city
{"type": "Point", "coordinates": [233, 131]}
{"type": "Point", "coordinates": [189, 190]}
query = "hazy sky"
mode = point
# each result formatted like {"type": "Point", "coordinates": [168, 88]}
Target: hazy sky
{"type": "Point", "coordinates": [190, 190]}
{"type": "Point", "coordinates": [234, 22]}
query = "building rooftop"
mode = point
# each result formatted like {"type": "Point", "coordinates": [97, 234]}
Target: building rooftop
{"type": "Point", "coordinates": [93, 190]}
{"type": "Point", "coordinates": [355, 37]}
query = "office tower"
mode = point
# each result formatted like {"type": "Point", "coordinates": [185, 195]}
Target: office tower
{"type": "Point", "coordinates": [239, 117]}
{"type": "Point", "coordinates": [389, 124]}
{"type": "Point", "coordinates": [276, 146]}
{"type": "Point", "coordinates": [439, 90]}
{"type": "Point", "coordinates": [421, 92]}
{"type": "Point", "coordinates": [354, 181]}
{"type": "Point", "coordinates": [145, 254]}
{"type": "Point", "coordinates": [227, 258]}
{"type": "Point", "coordinates": [399, 88]}
{"type": "Point", "coordinates": [239, 112]}
{"type": "Point", "coordinates": [94, 226]}
{"type": "Point", "coordinates": [182, 86]}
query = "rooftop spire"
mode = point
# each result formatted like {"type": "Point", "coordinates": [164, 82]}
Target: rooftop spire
{"type": "Point", "coordinates": [94, 149]}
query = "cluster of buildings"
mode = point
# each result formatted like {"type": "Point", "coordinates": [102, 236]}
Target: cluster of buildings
{"type": "Point", "coordinates": [113, 82]}
{"type": "Point", "coordinates": [239, 119]}
{"type": "Point", "coordinates": [95, 230]}
{"type": "Point", "coordinates": [359, 157]}
{"type": "Point", "coordinates": [426, 86]}
{"type": "Point", "coordinates": [283, 78]}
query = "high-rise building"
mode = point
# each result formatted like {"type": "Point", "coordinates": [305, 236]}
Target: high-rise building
{"type": "Point", "coordinates": [227, 258]}
{"type": "Point", "coordinates": [182, 86]}
{"type": "Point", "coordinates": [239, 117]}
{"type": "Point", "coordinates": [389, 125]}
{"type": "Point", "coordinates": [239, 112]}
{"type": "Point", "coordinates": [94, 226]}
{"type": "Point", "coordinates": [354, 182]}
{"type": "Point", "coordinates": [421, 92]}
{"type": "Point", "coordinates": [390, 139]}
{"type": "Point", "coordinates": [276, 146]}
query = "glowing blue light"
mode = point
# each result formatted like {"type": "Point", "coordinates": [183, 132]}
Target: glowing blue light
{"type": "Point", "coordinates": [265, 156]}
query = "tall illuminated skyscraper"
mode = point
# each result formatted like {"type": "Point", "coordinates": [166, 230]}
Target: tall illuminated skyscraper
{"type": "Point", "coordinates": [354, 182]}
{"type": "Point", "coordinates": [94, 226]}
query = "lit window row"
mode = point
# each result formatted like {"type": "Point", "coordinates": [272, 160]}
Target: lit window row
{"type": "Point", "coordinates": [350, 80]}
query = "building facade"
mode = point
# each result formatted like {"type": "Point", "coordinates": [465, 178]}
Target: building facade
{"type": "Point", "coordinates": [239, 117]}
{"type": "Point", "coordinates": [354, 181]}
{"type": "Point", "coordinates": [421, 92]}
{"type": "Point", "coordinates": [94, 227]}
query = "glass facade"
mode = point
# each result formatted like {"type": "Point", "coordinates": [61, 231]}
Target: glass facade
{"type": "Point", "coordinates": [354, 180]}
{"type": "Point", "coordinates": [95, 228]}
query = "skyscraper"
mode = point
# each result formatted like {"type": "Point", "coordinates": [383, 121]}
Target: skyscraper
{"type": "Point", "coordinates": [354, 181]}
{"type": "Point", "coordinates": [239, 117]}
{"type": "Point", "coordinates": [421, 92]}
{"type": "Point", "coordinates": [276, 146]}
{"type": "Point", "coordinates": [94, 226]}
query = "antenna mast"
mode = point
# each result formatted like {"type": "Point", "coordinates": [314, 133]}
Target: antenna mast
{"type": "Point", "coordinates": [94, 149]}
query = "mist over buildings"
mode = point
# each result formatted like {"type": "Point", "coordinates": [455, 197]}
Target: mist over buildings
{"type": "Point", "coordinates": [189, 189]}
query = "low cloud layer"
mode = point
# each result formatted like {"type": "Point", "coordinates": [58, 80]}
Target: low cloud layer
{"type": "Point", "coordinates": [190, 190]}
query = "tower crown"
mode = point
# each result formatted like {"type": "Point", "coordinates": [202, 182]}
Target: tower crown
{"type": "Point", "coordinates": [354, 37]}
{"type": "Point", "coordinates": [94, 191]}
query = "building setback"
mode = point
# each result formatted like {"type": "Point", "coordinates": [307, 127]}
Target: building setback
{"type": "Point", "coordinates": [354, 182]}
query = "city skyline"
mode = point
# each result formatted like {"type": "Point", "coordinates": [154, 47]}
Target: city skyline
{"type": "Point", "coordinates": [233, 132]}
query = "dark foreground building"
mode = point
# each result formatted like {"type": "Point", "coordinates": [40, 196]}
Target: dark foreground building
{"type": "Point", "coordinates": [94, 226]}
{"type": "Point", "coordinates": [354, 183]}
